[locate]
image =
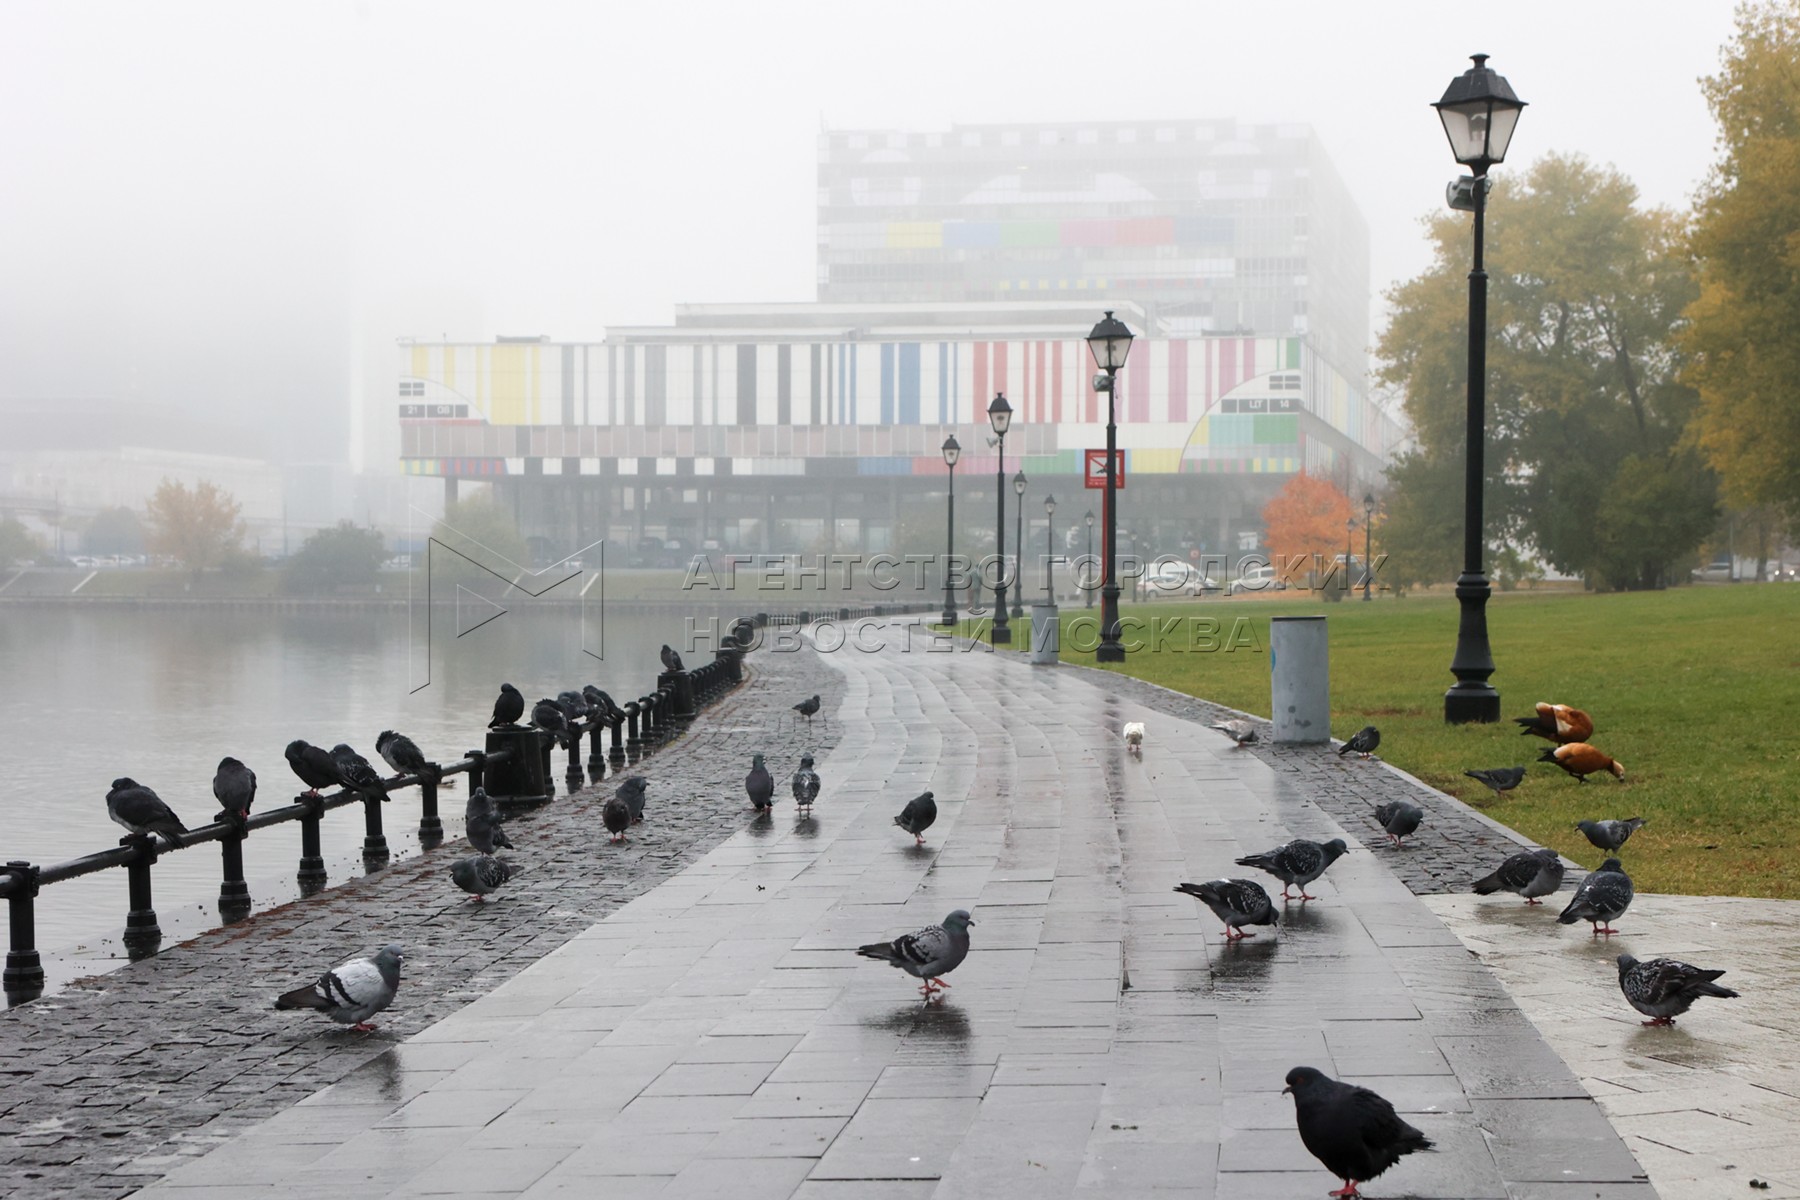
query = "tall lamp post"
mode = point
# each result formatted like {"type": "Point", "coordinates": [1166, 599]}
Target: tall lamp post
{"type": "Point", "coordinates": [1110, 342]}
{"type": "Point", "coordinates": [1368, 541]}
{"type": "Point", "coordinates": [1349, 546]}
{"type": "Point", "coordinates": [1000, 417]}
{"type": "Point", "coordinates": [1479, 112]}
{"type": "Point", "coordinates": [1049, 549]}
{"type": "Point", "coordinates": [1088, 589]}
{"type": "Point", "coordinates": [1019, 536]}
{"type": "Point", "coordinates": [952, 452]}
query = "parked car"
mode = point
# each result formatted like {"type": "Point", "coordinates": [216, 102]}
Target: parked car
{"type": "Point", "coordinates": [1172, 577]}
{"type": "Point", "coordinates": [1717, 571]}
{"type": "Point", "coordinates": [1257, 579]}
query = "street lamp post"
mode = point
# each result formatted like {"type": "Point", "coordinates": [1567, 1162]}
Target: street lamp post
{"type": "Point", "coordinates": [1349, 546]}
{"type": "Point", "coordinates": [1368, 541]}
{"type": "Point", "coordinates": [1110, 342]}
{"type": "Point", "coordinates": [1000, 417]}
{"type": "Point", "coordinates": [1479, 112]}
{"type": "Point", "coordinates": [952, 452]}
{"type": "Point", "coordinates": [1088, 589]}
{"type": "Point", "coordinates": [1049, 549]}
{"type": "Point", "coordinates": [1019, 536]}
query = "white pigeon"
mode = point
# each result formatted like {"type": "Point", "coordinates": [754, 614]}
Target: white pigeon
{"type": "Point", "coordinates": [1134, 736]}
{"type": "Point", "coordinates": [354, 992]}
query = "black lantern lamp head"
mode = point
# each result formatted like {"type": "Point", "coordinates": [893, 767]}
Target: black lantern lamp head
{"type": "Point", "coordinates": [1368, 506]}
{"type": "Point", "coordinates": [1089, 519]}
{"type": "Point", "coordinates": [1050, 504]}
{"type": "Point", "coordinates": [1479, 112]}
{"type": "Point", "coordinates": [952, 450]}
{"type": "Point", "coordinates": [1000, 414]}
{"type": "Point", "coordinates": [1019, 484]}
{"type": "Point", "coordinates": [1111, 342]}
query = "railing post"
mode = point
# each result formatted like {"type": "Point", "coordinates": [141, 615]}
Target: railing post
{"type": "Point", "coordinates": [142, 934]}
{"type": "Point", "coordinates": [375, 847]}
{"type": "Point", "coordinates": [431, 826]}
{"type": "Point", "coordinates": [311, 876]}
{"type": "Point", "coordinates": [596, 764]}
{"type": "Point", "coordinates": [547, 746]}
{"type": "Point", "coordinates": [616, 755]}
{"type": "Point", "coordinates": [24, 968]}
{"type": "Point", "coordinates": [634, 744]}
{"type": "Point", "coordinates": [234, 893]}
{"type": "Point", "coordinates": [574, 777]}
{"type": "Point", "coordinates": [477, 768]}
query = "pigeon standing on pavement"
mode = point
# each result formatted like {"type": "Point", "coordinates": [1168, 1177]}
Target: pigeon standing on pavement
{"type": "Point", "coordinates": [314, 765]}
{"type": "Point", "coordinates": [1601, 898]}
{"type": "Point", "coordinates": [481, 822]}
{"type": "Point", "coordinates": [917, 816]}
{"type": "Point", "coordinates": [806, 786]}
{"type": "Point", "coordinates": [356, 772]}
{"type": "Point", "coordinates": [1399, 818]}
{"type": "Point", "coordinates": [1529, 873]}
{"type": "Point", "coordinates": [1664, 988]}
{"type": "Point", "coordinates": [632, 792]}
{"type": "Point", "coordinates": [1363, 741]}
{"type": "Point", "coordinates": [550, 719]}
{"type": "Point", "coordinates": [1354, 1132]}
{"type": "Point", "coordinates": [1501, 779]}
{"type": "Point", "coordinates": [1610, 835]}
{"type": "Point", "coordinates": [401, 753]}
{"type": "Point", "coordinates": [479, 874]}
{"type": "Point", "coordinates": [234, 787]}
{"type": "Point", "coordinates": [142, 813]}
{"type": "Point", "coordinates": [1237, 902]}
{"type": "Point", "coordinates": [1296, 864]}
{"type": "Point", "coordinates": [808, 707]}
{"type": "Point", "coordinates": [1134, 737]}
{"type": "Point", "coordinates": [1240, 731]}
{"type": "Point", "coordinates": [760, 785]}
{"type": "Point", "coordinates": [354, 992]}
{"type": "Point", "coordinates": [671, 661]}
{"type": "Point", "coordinates": [615, 814]}
{"type": "Point", "coordinates": [508, 707]}
{"type": "Point", "coordinates": [932, 952]}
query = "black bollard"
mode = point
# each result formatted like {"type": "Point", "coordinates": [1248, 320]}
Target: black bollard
{"type": "Point", "coordinates": [142, 934]}
{"type": "Point", "coordinates": [596, 764]}
{"type": "Point", "coordinates": [234, 893]}
{"type": "Point", "coordinates": [311, 876]}
{"type": "Point", "coordinates": [375, 847]}
{"type": "Point", "coordinates": [616, 754]}
{"type": "Point", "coordinates": [522, 776]}
{"type": "Point", "coordinates": [431, 826]}
{"type": "Point", "coordinates": [574, 776]}
{"type": "Point", "coordinates": [546, 745]}
{"type": "Point", "coordinates": [24, 968]}
{"type": "Point", "coordinates": [679, 685]}
{"type": "Point", "coordinates": [634, 744]}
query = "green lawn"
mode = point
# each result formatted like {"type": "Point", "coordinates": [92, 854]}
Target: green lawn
{"type": "Point", "coordinates": [1695, 690]}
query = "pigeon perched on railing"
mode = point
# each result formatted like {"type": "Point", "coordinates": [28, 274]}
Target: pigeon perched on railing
{"type": "Point", "coordinates": [928, 954]}
{"type": "Point", "coordinates": [508, 707]}
{"type": "Point", "coordinates": [401, 753]}
{"type": "Point", "coordinates": [1501, 779]}
{"type": "Point", "coordinates": [481, 822]}
{"type": "Point", "coordinates": [808, 707]}
{"type": "Point", "coordinates": [573, 704]}
{"type": "Point", "coordinates": [760, 785]}
{"type": "Point", "coordinates": [234, 787]}
{"type": "Point", "coordinates": [550, 719]}
{"type": "Point", "coordinates": [356, 772]}
{"type": "Point", "coordinates": [1399, 818]}
{"type": "Point", "coordinates": [615, 814]}
{"type": "Point", "coordinates": [314, 765]}
{"type": "Point", "coordinates": [1529, 873]}
{"type": "Point", "coordinates": [1353, 1131]}
{"type": "Point", "coordinates": [1600, 899]}
{"type": "Point", "coordinates": [633, 792]}
{"type": "Point", "coordinates": [1237, 902]}
{"type": "Point", "coordinates": [671, 661]}
{"type": "Point", "coordinates": [601, 704]}
{"type": "Point", "coordinates": [479, 874]}
{"type": "Point", "coordinates": [1296, 864]}
{"type": "Point", "coordinates": [1363, 741]}
{"type": "Point", "coordinates": [1610, 835]}
{"type": "Point", "coordinates": [1664, 988]}
{"type": "Point", "coordinates": [1581, 760]}
{"type": "Point", "coordinates": [142, 813]}
{"type": "Point", "coordinates": [917, 816]}
{"type": "Point", "coordinates": [352, 993]}
{"type": "Point", "coordinates": [806, 786]}
{"type": "Point", "coordinates": [1238, 730]}
{"type": "Point", "coordinates": [1557, 723]}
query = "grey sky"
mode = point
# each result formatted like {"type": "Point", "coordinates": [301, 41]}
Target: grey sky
{"type": "Point", "coordinates": [234, 208]}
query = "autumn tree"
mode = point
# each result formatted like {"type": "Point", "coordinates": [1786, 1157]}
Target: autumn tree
{"type": "Point", "coordinates": [1306, 518]}
{"type": "Point", "coordinates": [1743, 332]}
{"type": "Point", "coordinates": [200, 527]}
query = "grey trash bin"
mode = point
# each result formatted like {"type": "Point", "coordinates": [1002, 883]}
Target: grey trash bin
{"type": "Point", "coordinates": [1046, 635]}
{"type": "Point", "coordinates": [1299, 680]}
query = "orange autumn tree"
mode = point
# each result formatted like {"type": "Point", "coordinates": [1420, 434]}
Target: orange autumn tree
{"type": "Point", "coordinates": [1305, 518]}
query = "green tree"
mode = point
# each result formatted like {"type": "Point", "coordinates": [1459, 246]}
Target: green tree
{"type": "Point", "coordinates": [1743, 332]}
{"type": "Point", "coordinates": [200, 527]}
{"type": "Point", "coordinates": [482, 530]}
{"type": "Point", "coordinates": [1420, 527]}
{"type": "Point", "coordinates": [16, 543]}
{"type": "Point", "coordinates": [114, 531]}
{"type": "Point", "coordinates": [1586, 290]}
{"type": "Point", "coordinates": [342, 556]}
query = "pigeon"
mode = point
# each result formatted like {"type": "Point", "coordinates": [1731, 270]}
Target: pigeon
{"type": "Point", "coordinates": [918, 815]}
{"type": "Point", "coordinates": [1296, 864]}
{"type": "Point", "coordinates": [354, 992]}
{"type": "Point", "coordinates": [1601, 899]}
{"type": "Point", "coordinates": [1529, 873]}
{"type": "Point", "coordinates": [573, 704]}
{"type": "Point", "coordinates": [1399, 818]}
{"type": "Point", "coordinates": [933, 951]}
{"type": "Point", "coordinates": [508, 708]}
{"type": "Point", "coordinates": [1354, 1132]}
{"type": "Point", "coordinates": [760, 785]}
{"type": "Point", "coordinates": [1581, 760]}
{"type": "Point", "coordinates": [549, 717]}
{"type": "Point", "coordinates": [480, 874]}
{"type": "Point", "coordinates": [1363, 742]}
{"type": "Point", "coordinates": [401, 753]}
{"type": "Point", "coordinates": [616, 816]}
{"type": "Point", "coordinates": [1664, 988]}
{"type": "Point", "coordinates": [142, 812]}
{"type": "Point", "coordinates": [632, 793]}
{"type": "Point", "coordinates": [1610, 835]}
{"type": "Point", "coordinates": [1501, 779]}
{"type": "Point", "coordinates": [1134, 736]}
{"type": "Point", "coordinates": [808, 707]}
{"type": "Point", "coordinates": [234, 786]}
{"type": "Point", "coordinates": [481, 822]}
{"type": "Point", "coordinates": [1557, 723]}
{"type": "Point", "coordinates": [314, 765]}
{"type": "Point", "coordinates": [1240, 731]}
{"type": "Point", "coordinates": [601, 704]}
{"type": "Point", "coordinates": [1237, 902]}
{"type": "Point", "coordinates": [671, 661]}
{"type": "Point", "coordinates": [806, 786]}
{"type": "Point", "coordinates": [357, 774]}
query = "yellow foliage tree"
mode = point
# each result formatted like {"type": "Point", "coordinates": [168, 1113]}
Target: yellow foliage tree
{"type": "Point", "coordinates": [200, 526]}
{"type": "Point", "coordinates": [1305, 518]}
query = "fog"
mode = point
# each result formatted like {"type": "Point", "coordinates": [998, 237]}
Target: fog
{"type": "Point", "coordinates": [230, 211]}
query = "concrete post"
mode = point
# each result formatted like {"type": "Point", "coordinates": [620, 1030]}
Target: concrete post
{"type": "Point", "coordinates": [1300, 680]}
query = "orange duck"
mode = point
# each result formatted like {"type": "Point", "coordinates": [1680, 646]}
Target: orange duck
{"type": "Point", "coordinates": [1581, 760]}
{"type": "Point", "coordinates": [1557, 723]}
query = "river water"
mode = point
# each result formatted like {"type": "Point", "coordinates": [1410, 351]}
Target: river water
{"type": "Point", "coordinates": [158, 695]}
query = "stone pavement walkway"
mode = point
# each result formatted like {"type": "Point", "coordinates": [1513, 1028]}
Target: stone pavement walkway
{"type": "Point", "coordinates": [716, 1037]}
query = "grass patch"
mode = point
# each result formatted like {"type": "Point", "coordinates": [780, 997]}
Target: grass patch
{"type": "Point", "coordinates": [1695, 690]}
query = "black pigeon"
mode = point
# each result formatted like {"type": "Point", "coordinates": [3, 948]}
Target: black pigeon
{"type": "Point", "coordinates": [1399, 818]}
{"type": "Point", "coordinates": [807, 708]}
{"type": "Point", "coordinates": [671, 661]}
{"type": "Point", "coordinates": [1501, 779]}
{"type": "Point", "coordinates": [616, 816]}
{"type": "Point", "coordinates": [806, 786]}
{"type": "Point", "coordinates": [480, 874]}
{"type": "Point", "coordinates": [549, 717]}
{"type": "Point", "coordinates": [601, 704]}
{"type": "Point", "coordinates": [1363, 742]}
{"type": "Point", "coordinates": [508, 708]}
{"type": "Point", "coordinates": [1296, 864]}
{"type": "Point", "coordinates": [632, 791]}
{"type": "Point", "coordinates": [1601, 899]}
{"type": "Point", "coordinates": [1354, 1132]}
{"type": "Point", "coordinates": [1610, 835]}
{"type": "Point", "coordinates": [234, 786]}
{"type": "Point", "coordinates": [1237, 902]}
{"type": "Point", "coordinates": [481, 823]}
{"type": "Point", "coordinates": [1529, 873]}
{"type": "Point", "coordinates": [314, 765]}
{"type": "Point", "coordinates": [142, 812]}
{"type": "Point", "coordinates": [760, 785]}
{"type": "Point", "coordinates": [573, 704]}
{"type": "Point", "coordinates": [918, 815]}
{"type": "Point", "coordinates": [401, 753]}
{"type": "Point", "coordinates": [357, 774]}
{"type": "Point", "coordinates": [1664, 988]}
